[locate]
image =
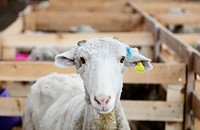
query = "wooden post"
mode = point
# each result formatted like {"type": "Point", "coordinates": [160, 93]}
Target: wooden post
{"type": "Point", "coordinates": [197, 120]}
{"type": "Point", "coordinates": [189, 89]}
{"type": "Point", "coordinates": [197, 124]}
{"type": "Point", "coordinates": [1, 49]}
{"type": "Point", "coordinates": [8, 54]}
{"type": "Point", "coordinates": [174, 94]}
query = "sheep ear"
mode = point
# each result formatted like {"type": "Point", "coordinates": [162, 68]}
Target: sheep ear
{"type": "Point", "coordinates": [65, 59]}
{"type": "Point", "coordinates": [133, 57]}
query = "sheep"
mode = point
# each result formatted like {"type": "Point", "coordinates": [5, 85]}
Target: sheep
{"type": "Point", "coordinates": [47, 53]}
{"type": "Point", "coordinates": [101, 63]}
{"type": "Point", "coordinates": [43, 54]}
{"type": "Point", "coordinates": [82, 29]}
{"type": "Point", "coordinates": [194, 28]}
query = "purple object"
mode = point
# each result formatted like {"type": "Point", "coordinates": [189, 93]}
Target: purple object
{"type": "Point", "coordinates": [7, 123]}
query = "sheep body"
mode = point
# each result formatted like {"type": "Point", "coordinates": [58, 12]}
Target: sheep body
{"type": "Point", "coordinates": [45, 92]}
{"type": "Point", "coordinates": [63, 102]}
{"type": "Point", "coordinates": [58, 100]}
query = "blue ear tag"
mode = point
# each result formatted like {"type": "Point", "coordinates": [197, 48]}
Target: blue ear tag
{"type": "Point", "coordinates": [128, 52]}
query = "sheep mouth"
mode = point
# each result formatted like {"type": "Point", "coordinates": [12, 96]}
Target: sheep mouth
{"type": "Point", "coordinates": [103, 112]}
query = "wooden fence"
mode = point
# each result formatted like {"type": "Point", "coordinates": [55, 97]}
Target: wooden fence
{"type": "Point", "coordinates": [180, 78]}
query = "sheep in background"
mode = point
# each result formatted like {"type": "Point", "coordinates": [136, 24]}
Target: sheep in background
{"type": "Point", "coordinates": [101, 63]}
{"type": "Point", "coordinates": [195, 28]}
{"type": "Point", "coordinates": [176, 10]}
{"type": "Point", "coordinates": [191, 28]}
{"type": "Point", "coordinates": [48, 53]}
{"type": "Point", "coordinates": [43, 54]}
{"type": "Point", "coordinates": [83, 29]}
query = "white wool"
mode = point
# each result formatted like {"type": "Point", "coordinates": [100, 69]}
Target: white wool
{"type": "Point", "coordinates": [82, 29]}
{"type": "Point", "coordinates": [59, 101]}
{"type": "Point", "coordinates": [45, 92]}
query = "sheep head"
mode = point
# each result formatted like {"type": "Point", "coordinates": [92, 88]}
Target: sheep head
{"type": "Point", "coordinates": [101, 62]}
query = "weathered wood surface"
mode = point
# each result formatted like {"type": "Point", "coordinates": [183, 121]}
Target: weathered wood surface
{"type": "Point", "coordinates": [174, 94]}
{"type": "Point", "coordinates": [151, 23]}
{"type": "Point", "coordinates": [197, 124]}
{"type": "Point", "coordinates": [89, 5]}
{"type": "Point", "coordinates": [197, 62]}
{"type": "Point", "coordinates": [135, 110]}
{"type": "Point", "coordinates": [68, 40]}
{"type": "Point", "coordinates": [62, 21]}
{"type": "Point", "coordinates": [191, 38]}
{"type": "Point", "coordinates": [12, 106]}
{"type": "Point", "coordinates": [164, 7]}
{"type": "Point", "coordinates": [1, 42]}
{"type": "Point", "coordinates": [23, 71]}
{"type": "Point", "coordinates": [18, 89]}
{"type": "Point", "coordinates": [180, 47]}
{"type": "Point", "coordinates": [196, 104]}
{"type": "Point", "coordinates": [178, 19]}
{"type": "Point", "coordinates": [153, 110]}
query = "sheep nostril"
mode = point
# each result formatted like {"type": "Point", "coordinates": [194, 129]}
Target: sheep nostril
{"type": "Point", "coordinates": [102, 101]}
{"type": "Point", "coordinates": [96, 100]}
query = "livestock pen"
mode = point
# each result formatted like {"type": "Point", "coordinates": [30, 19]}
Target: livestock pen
{"type": "Point", "coordinates": [133, 26]}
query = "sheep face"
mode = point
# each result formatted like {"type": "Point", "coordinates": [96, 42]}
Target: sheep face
{"type": "Point", "coordinates": [101, 64]}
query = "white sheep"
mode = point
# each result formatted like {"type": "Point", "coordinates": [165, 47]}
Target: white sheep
{"type": "Point", "coordinates": [43, 53]}
{"type": "Point", "coordinates": [82, 29]}
{"type": "Point", "coordinates": [101, 63]}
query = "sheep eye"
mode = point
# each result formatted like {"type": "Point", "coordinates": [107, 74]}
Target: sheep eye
{"type": "Point", "coordinates": [82, 60]}
{"type": "Point", "coordinates": [122, 59]}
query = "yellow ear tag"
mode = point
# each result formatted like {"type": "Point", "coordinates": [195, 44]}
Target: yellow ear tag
{"type": "Point", "coordinates": [139, 68]}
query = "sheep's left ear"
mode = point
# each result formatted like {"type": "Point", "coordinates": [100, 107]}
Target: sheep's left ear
{"type": "Point", "coordinates": [65, 59]}
{"type": "Point", "coordinates": [133, 57]}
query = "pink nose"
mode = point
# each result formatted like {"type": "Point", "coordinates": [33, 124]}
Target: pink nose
{"type": "Point", "coordinates": [102, 101]}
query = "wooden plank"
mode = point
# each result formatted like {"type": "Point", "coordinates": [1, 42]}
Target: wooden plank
{"type": "Point", "coordinates": [174, 94]}
{"type": "Point", "coordinates": [89, 5]}
{"type": "Point", "coordinates": [12, 106]}
{"type": "Point", "coordinates": [150, 22]}
{"type": "Point", "coordinates": [28, 18]}
{"type": "Point", "coordinates": [27, 71]}
{"type": "Point", "coordinates": [179, 47]}
{"type": "Point", "coordinates": [154, 8]}
{"type": "Point", "coordinates": [197, 124]}
{"type": "Point", "coordinates": [15, 28]}
{"type": "Point", "coordinates": [196, 104]}
{"type": "Point", "coordinates": [29, 21]}
{"type": "Point", "coordinates": [191, 38]}
{"type": "Point", "coordinates": [197, 86]}
{"type": "Point", "coordinates": [135, 110]}
{"type": "Point", "coordinates": [178, 19]}
{"type": "Point", "coordinates": [197, 62]}
{"type": "Point", "coordinates": [162, 73]}
{"type": "Point", "coordinates": [153, 110]}
{"type": "Point", "coordinates": [152, 25]}
{"type": "Point", "coordinates": [8, 53]}
{"type": "Point", "coordinates": [174, 126]}
{"type": "Point", "coordinates": [68, 40]}
{"type": "Point", "coordinates": [1, 49]}
{"type": "Point", "coordinates": [190, 83]}
{"type": "Point", "coordinates": [18, 89]}
{"type": "Point", "coordinates": [57, 21]}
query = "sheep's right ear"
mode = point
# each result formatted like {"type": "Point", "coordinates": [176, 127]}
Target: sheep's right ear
{"type": "Point", "coordinates": [65, 59]}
